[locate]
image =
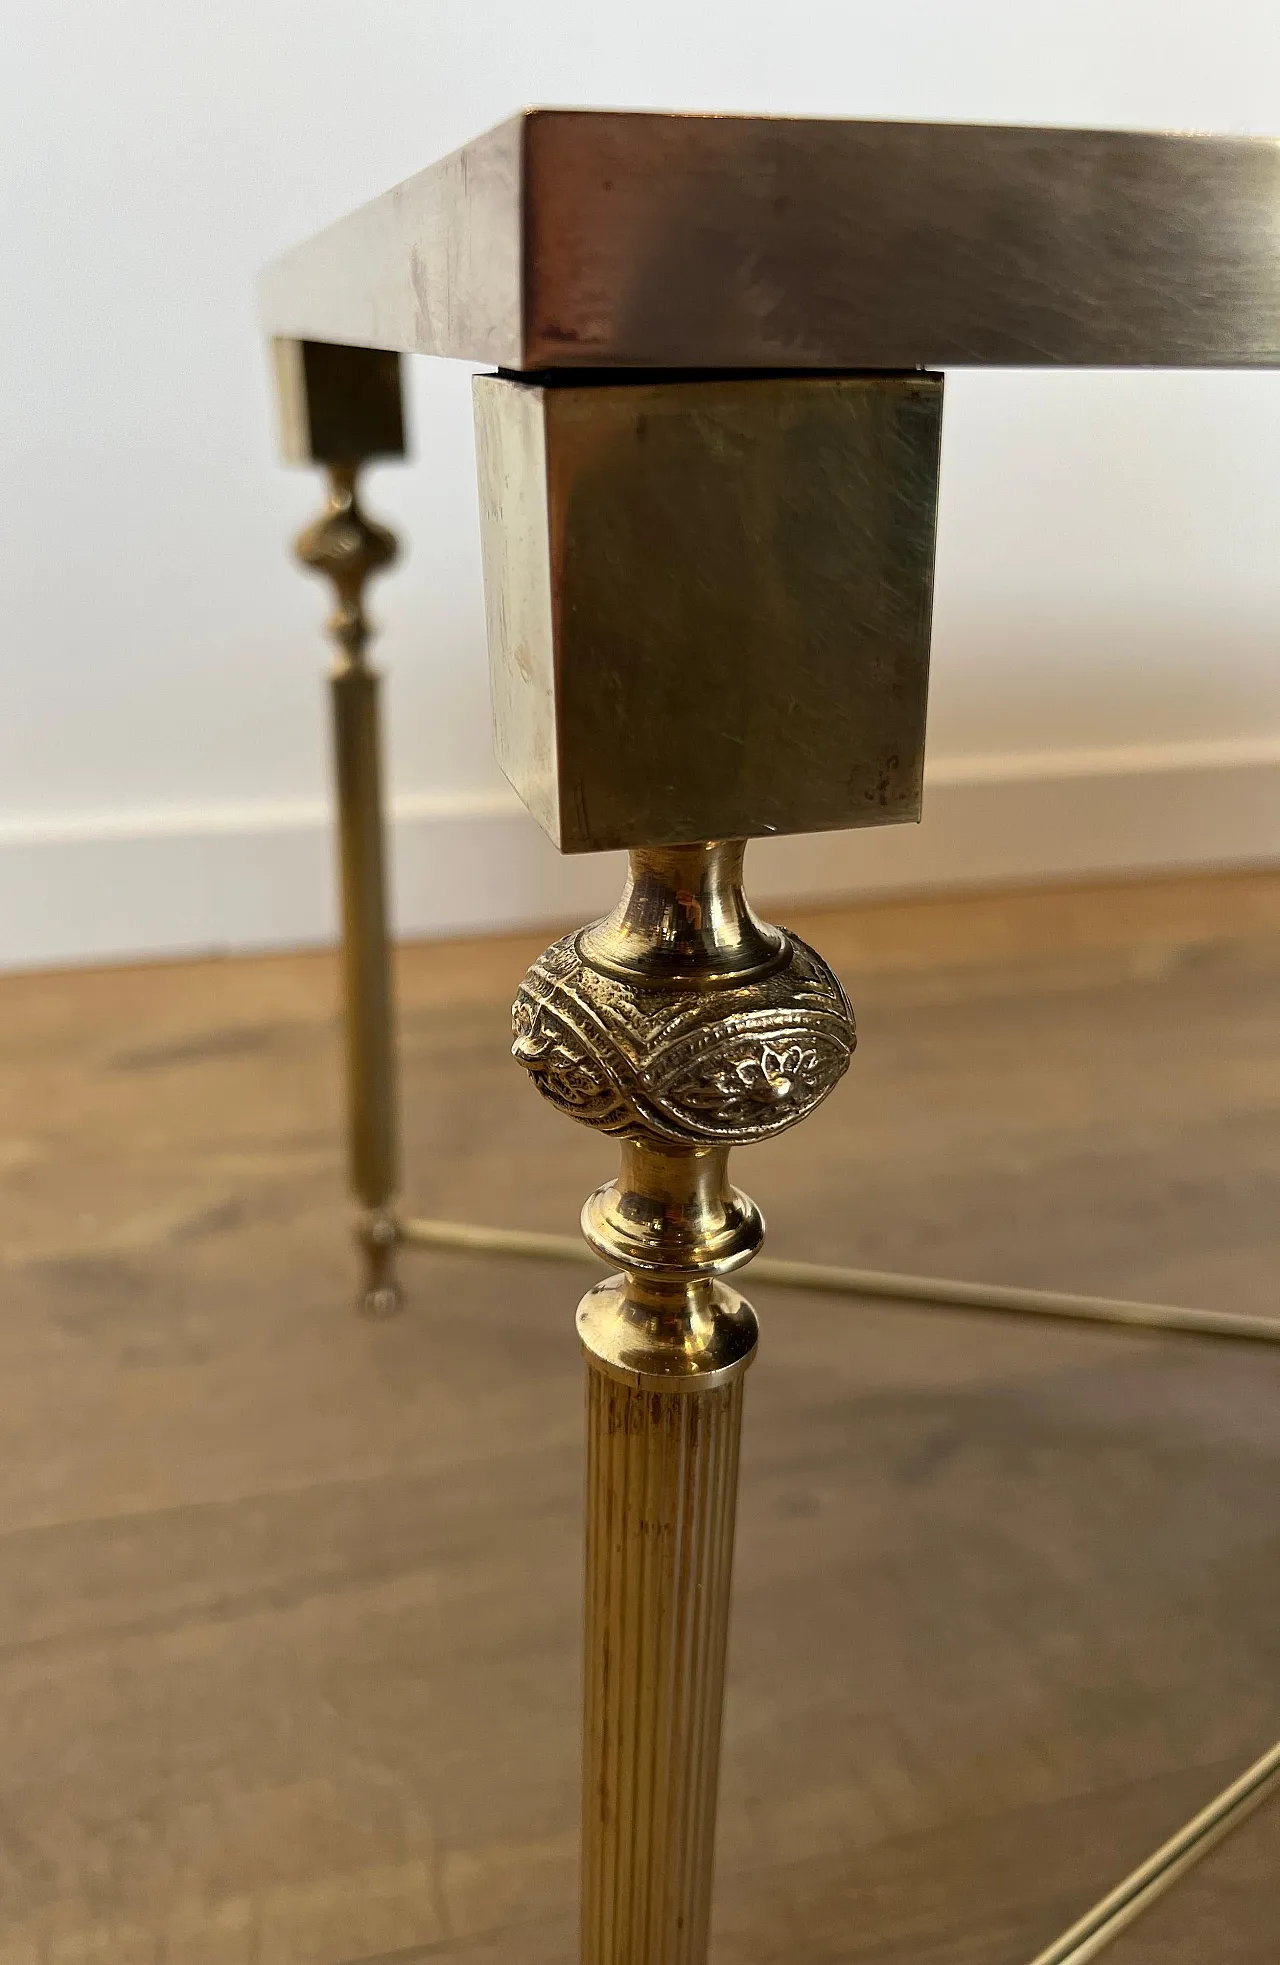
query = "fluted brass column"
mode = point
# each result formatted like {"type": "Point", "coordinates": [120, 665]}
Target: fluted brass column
{"type": "Point", "coordinates": [340, 407]}
{"type": "Point", "coordinates": [682, 1024]}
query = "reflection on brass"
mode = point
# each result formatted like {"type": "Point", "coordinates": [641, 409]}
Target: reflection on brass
{"type": "Point", "coordinates": [1095, 1931]}
{"type": "Point", "coordinates": [348, 547]}
{"type": "Point", "coordinates": [830, 1279]}
{"type": "Point", "coordinates": [663, 929]}
{"type": "Point", "coordinates": [709, 601]}
{"type": "Point", "coordinates": [606, 238]}
{"type": "Point", "coordinates": [682, 1025]}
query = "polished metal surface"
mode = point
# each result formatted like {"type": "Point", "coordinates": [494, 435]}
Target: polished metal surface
{"type": "Point", "coordinates": [709, 602]}
{"type": "Point", "coordinates": [688, 1035]}
{"type": "Point", "coordinates": [683, 917]}
{"type": "Point", "coordinates": [664, 1207]}
{"type": "Point", "coordinates": [584, 238]}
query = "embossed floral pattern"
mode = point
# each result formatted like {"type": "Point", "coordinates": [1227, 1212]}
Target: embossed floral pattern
{"type": "Point", "coordinates": [769, 1076]}
{"type": "Point", "coordinates": [726, 1066]}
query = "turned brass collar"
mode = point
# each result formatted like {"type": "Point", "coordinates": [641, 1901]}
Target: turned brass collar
{"type": "Point", "coordinates": [684, 922]}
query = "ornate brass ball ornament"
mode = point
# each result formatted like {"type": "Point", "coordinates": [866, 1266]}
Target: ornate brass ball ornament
{"type": "Point", "coordinates": [683, 1026]}
{"type": "Point", "coordinates": [348, 547]}
{"type": "Point", "coordinates": [688, 1066]}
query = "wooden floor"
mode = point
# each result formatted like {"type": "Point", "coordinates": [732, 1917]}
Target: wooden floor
{"type": "Point", "coordinates": [289, 1602]}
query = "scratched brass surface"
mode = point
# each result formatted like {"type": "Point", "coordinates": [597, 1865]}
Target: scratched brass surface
{"type": "Point", "coordinates": [709, 603]}
{"type": "Point", "coordinates": [289, 1601]}
{"type": "Point", "coordinates": [579, 238]}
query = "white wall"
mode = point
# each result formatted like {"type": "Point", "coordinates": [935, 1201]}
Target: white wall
{"type": "Point", "coordinates": [1109, 571]}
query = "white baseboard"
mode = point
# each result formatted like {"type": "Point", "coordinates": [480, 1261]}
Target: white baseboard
{"type": "Point", "coordinates": [243, 878]}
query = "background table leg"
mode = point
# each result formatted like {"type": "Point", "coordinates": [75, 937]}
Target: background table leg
{"type": "Point", "coordinates": [341, 407]}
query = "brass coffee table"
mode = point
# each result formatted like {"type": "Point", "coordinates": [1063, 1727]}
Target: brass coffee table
{"type": "Point", "coordinates": [708, 465]}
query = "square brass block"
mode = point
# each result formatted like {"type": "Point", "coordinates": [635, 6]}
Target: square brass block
{"type": "Point", "coordinates": [709, 600]}
{"type": "Point", "coordinates": [337, 405]}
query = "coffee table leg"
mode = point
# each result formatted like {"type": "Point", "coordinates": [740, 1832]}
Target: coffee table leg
{"type": "Point", "coordinates": [340, 407]}
{"type": "Point", "coordinates": [682, 1049]}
